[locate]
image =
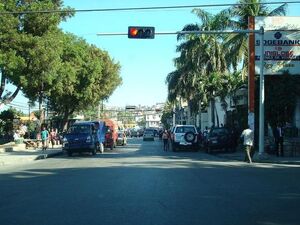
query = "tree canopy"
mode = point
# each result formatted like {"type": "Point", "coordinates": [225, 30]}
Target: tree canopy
{"type": "Point", "coordinates": [28, 45]}
{"type": "Point", "coordinates": [211, 65]}
{"type": "Point", "coordinates": [48, 64]}
{"type": "Point", "coordinates": [86, 75]}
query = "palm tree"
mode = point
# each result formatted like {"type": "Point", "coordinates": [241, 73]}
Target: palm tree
{"type": "Point", "coordinates": [200, 55]}
{"type": "Point", "coordinates": [237, 43]}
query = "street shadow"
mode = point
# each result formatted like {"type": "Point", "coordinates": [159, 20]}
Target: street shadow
{"type": "Point", "coordinates": [148, 192]}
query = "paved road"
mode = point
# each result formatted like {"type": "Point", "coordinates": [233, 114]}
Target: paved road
{"type": "Point", "coordinates": [139, 184]}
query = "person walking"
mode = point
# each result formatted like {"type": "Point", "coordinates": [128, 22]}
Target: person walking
{"type": "Point", "coordinates": [45, 138]}
{"type": "Point", "coordinates": [248, 137]}
{"type": "Point", "coordinates": [52, 137]}
{"type": "Point", "coordinates": [278, 138]}
{"type": "Point", "coordinates": [165, 137]}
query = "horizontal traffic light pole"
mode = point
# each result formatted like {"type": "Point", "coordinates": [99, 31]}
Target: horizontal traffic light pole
{"type": "Point", "coordinates": [188, 32]}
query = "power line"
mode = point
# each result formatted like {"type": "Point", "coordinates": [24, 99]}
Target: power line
{"type": "Point", "coordinates": [147, 8]}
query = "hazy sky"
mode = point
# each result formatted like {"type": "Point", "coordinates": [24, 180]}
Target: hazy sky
{"type": "Point", "coordinates": [144, 63]}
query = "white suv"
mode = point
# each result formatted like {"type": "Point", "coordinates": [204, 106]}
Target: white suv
{"type": "Point", "coordinates": [184, 136]}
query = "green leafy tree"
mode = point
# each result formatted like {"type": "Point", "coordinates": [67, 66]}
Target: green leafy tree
{"type": "Point", "coordinates": [201, 64]}
{"type": "Point", "coordinates": [6, 120]}
{"type": "Point", "coordinates": [237, 43]}
{"type": "Point", "coordinates": [167, 115]}
{"type": "Point", "coordinates": [29, 49]}
{"type": "Point", "coordinates": [86, 76]}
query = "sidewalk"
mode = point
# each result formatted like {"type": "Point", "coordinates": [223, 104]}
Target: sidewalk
{"type": "Point", "coordinates": [11, 154]}
{"type": "Point", "coordinates": [239, 155]}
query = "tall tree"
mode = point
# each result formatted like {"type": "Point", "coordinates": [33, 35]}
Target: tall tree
{"type": "Point", "coordinates": [28, 47]}
{"type": "Point", "coordinates": [200, 56]}
{"type": "Point", "coordinates": [237, 43]}
{"type": "Point", "coordinates": [86, 75]}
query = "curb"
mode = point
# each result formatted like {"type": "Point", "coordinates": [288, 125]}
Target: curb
{"type": "Point", "coordinates": [233, 158]}
{"type": "Point", "coordinates": [279, 162]}
{"type": "Point", "coordinates": [48, 155]}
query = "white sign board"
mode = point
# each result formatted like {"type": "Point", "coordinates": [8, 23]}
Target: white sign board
{"type": "Point", "coordinates": [281, 47]}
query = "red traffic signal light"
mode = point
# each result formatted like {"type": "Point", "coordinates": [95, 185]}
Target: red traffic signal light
{"type": "Point", "coordinates": [141, 32]}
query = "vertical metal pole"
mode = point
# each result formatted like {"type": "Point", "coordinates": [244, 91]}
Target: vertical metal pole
{"type": "Point", "coordinates": [29, 111]}
{"type": "Point", "coordinates": [98, 111]}
{"type": "Point", "coordinates": [174, 116]}
{"type": "Point", "coordinates": [262, 95]}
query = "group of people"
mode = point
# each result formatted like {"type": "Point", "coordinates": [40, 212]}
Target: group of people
{"type": "Point", "coordinates": [48, 137]}
{"type": "Point", "coordinates": [247, 138]}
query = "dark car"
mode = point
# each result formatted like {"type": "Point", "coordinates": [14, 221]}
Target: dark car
{"type": "Point", "coordinates": [81, 137]}
{"type": "Point", "coordinates": [219, 138]}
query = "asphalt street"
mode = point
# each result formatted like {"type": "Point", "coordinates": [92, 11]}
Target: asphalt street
{"type": "Point", "coordinates": [139, 184]}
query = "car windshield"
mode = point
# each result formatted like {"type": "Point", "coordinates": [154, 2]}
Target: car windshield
{"type": "Point", "coordinates": [148, 132]}
{"type": "Point", "coordinates": [79, 129]}
{"type": "Point", "coordinates": [218, 132]}
{"type": "Point", "coordinates": [184, 129]}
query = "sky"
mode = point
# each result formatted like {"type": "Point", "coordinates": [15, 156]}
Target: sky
{"type": "Point", "coordinates": [144, 63]}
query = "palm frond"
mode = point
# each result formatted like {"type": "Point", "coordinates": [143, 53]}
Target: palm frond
{"type": "Point", "coordinates": [188, 27]}
{"type": "Point", "coordinates": [280, 11]}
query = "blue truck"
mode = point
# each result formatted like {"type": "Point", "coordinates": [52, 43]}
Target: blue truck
{"type": "Point", "coordinates": [85, 136]}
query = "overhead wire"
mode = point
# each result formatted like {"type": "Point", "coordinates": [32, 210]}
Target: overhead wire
{"type": "Point", "coordinates": [144, 8]}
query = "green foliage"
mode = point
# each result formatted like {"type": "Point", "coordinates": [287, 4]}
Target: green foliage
{"type": "Point", "coordinates": [142, 123]}
{"type": "Point", "coordinates": [86, 75]}
{"type": "Point", "coordinates": [167, 115]}
{"type": "Point", "coordinates": [38, 57]}
{"type": "Point", "coordinates": [37, 114]}
{"type": "Point", "coordinates": [200, 56]}
{"type": "Point", "coordinates": [29, 48]}
{"type": "Point", "coordinates": [6, 120]}
{"type": "Point", "coordinates": [202, 68]}
{"type": "Point", "coordinates": [236, 43]}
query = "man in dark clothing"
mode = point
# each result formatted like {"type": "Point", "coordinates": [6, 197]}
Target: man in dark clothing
{"type": "Point", "coordinates": [278, 137]}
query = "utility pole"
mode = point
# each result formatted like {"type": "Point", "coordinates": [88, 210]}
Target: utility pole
{"type": "Point", "coordinates": [98, 111]}
{"type": "Point", "coordinates": [29, 110]}
{"type": "Point", "coordinates": [174, 116]}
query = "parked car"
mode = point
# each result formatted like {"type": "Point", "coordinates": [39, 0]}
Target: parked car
{"type": "Point", "coordinates": [219, 138]}
{"type": "Point", "coordinates": [122, 139]}
{"type": "Point", "coordinates": [148, 135]}
{"type": "Point", "coordinates": [184, 136]}
{"type": "Point", "coordinates": [80, 137]}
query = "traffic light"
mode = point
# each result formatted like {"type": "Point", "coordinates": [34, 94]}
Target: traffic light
{"type": "Point", "coordinates": [141, 32]}
{"type": "Point", "coordinates": [130, 107]}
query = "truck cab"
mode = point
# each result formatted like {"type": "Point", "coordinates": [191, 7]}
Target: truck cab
{"type": "Point", "coordinates": [80, 137]}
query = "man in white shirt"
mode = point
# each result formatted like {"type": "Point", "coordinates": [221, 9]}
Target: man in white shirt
{"type": "Point", "coordinates": [248, 136]}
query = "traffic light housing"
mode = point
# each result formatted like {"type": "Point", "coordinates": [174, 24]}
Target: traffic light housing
{"type": "Point", "coordinates": [141, 32]}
